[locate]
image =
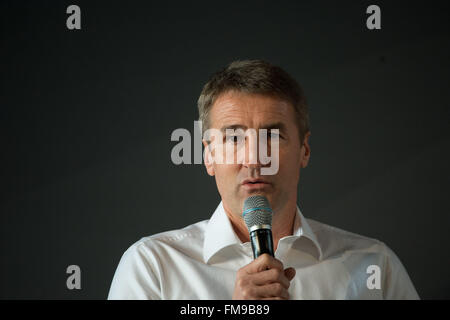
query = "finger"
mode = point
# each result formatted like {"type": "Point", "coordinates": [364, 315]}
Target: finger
{"type": "Point", "coordinates": [271, 290]}
{"type": "Point", "coordinates": [263, 262]}
{"type": "Point", "coordinates": [270, 276]}
{"type": "Point", "coordinates": [290, 273]}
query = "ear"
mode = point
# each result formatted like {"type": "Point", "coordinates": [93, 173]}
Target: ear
{"type": "Point", "coordinates": [305, 151]}
{"type": "Point", "coordinates": [208, 158]}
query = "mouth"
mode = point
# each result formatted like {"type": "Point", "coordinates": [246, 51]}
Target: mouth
{"type": "Point", "coordinates": [255, 183]}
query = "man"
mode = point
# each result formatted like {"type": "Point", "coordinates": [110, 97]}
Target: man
{"type": "Point", "coordinates": [213, 259]}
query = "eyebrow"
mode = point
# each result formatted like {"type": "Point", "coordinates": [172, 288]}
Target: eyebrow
{"type": "Point", "coordinates": [276, 125]}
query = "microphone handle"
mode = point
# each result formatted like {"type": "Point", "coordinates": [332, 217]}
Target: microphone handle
{"type": "Point", "coordinates": [262, 242]}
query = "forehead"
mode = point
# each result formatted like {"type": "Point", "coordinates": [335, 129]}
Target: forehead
{"type": "Point", "coordinates": [250, 110]}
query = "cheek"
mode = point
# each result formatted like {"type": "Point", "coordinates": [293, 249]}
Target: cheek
{"type": "Point", "coordinates": [289, 164]}
{"type": "Point", "coordinates": [226, 175]}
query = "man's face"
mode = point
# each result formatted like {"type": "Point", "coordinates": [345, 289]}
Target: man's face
{"type": "Point", "coordinates": [254, 111]}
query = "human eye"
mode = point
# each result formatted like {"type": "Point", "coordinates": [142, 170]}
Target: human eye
{"type": "Point", "coordinates": [274, 134]}
{"type": "Point", "coordinates": [232, 138]}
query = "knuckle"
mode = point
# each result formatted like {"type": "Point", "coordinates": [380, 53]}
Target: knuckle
{"type": "Point", "coordinates": [242, 273]}
{"type": "Point", "coordinates": [278, 288]}
{"type": "Point", "coordinates": [240, 282]}
{"type": "Point", "coordinates": [265, 258]}
{"type": "Point", "coordinates": [247, 293]}
{"type": "Point", "coordinates": [279, 264]}
{"type": "Point", "coordinates": [276, 274]}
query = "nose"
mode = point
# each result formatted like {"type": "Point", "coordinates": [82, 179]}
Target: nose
{"type": "Point", "coordinates": [251, 159]}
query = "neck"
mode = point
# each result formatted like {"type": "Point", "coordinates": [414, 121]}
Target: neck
{"type": "Point", "coordinates": [282, 223]}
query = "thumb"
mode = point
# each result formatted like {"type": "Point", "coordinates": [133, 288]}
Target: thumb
{"type": "Point", "coordinates": [290, 273]}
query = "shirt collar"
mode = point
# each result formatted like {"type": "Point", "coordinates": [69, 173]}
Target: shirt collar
{"type": "Point", "coordinates": [219, 233]}
{"type": "Point", "coordinates": [302, 230]}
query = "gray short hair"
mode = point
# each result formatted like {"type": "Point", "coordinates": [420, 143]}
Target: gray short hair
{"type": "Point", "coordinates": [254, 76]}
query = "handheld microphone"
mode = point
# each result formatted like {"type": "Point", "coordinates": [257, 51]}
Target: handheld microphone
{"type": "Point", "coordinates": [258, 218]}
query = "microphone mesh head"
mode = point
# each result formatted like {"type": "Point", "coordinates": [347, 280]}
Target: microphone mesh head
{"type": "Point", "coordinates": [257, 211]}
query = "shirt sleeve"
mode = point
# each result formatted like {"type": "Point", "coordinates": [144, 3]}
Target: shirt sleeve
{"type": "Point", "coordinates": [136, 277]}
{"type": "Point", "coordinates": [397, 283]}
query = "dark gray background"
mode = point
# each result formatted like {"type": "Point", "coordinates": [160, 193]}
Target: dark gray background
{"type": "Point", "coordinates": [86, 119]}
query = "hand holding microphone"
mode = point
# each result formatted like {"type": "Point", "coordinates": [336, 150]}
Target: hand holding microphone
{"type": "Point", "coordinates": [265, 277]}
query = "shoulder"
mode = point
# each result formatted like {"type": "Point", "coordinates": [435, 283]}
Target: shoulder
{"type": "Point", "coordinates": [187, 240]}
{"type": "Point", "coordinates": [139, 273]}
{"type": "Point", "coordinates": [357, 250]}
{"type": "Point", "coordinates": [334, 240]}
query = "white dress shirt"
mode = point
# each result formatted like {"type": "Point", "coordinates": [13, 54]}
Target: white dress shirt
{"type": "Point", "coordinates": [200, 261]}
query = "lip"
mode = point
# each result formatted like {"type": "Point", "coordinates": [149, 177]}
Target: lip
{"type": "Point", "coordinates": [255, 183]}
